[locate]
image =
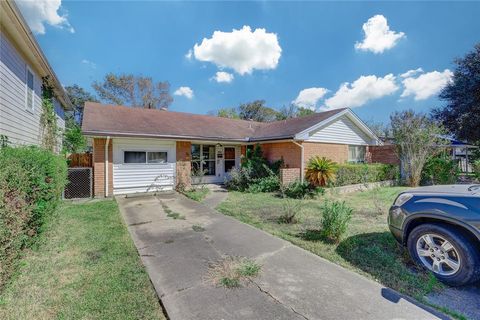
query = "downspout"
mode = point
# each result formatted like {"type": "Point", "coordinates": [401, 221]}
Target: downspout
{"type": "Point", "coordinates": [302, 166]}
{"type": "Point", "coordinates": [107, 142]}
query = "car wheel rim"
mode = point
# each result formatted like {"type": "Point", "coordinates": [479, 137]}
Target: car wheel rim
{"type": "Point", "coordinates": [438, 254]}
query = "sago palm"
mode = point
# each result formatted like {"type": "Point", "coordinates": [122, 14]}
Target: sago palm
{"type": "Point", "coordinates": [320, 171]}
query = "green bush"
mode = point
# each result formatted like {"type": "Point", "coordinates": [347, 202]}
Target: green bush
{"type": "Point", "coordinates": [335, 219]}
{"type": "Point", "coordinates": [31, 185]}
{"type": "Point", "coordinates": [301, 190]}
{"type": "Point", "coordinates": [267, 184]}
{"type": "Point", "coordinates": [476, 168]}
{"type": "Point", "coordinates": [440, 169]}
{"type": "Point", "coordinates": [363, 173]}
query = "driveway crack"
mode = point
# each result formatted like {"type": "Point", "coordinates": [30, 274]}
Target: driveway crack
{"type": "Point", "coordinates": [139, 223]}
{"type": "Point", "coordinates": [276, 300]}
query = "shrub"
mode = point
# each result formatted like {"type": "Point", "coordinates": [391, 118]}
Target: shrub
{"type": "Point", "coordinates": [239, 179]}
{"type": "Point", "coordinates": [266, 184]}
{"type": "Point", "coordinates": [31, 185]}
{"type": "Point", "coordinates": [301, 190]}
{"type": "Point", "coordinates": [320, 171]}
{"type": "Point", "coordinates": [364, 173]}
{"type": "Point", "coordinates": [335, 218]}
{"type": "Point", "coordinates": [440, 169]}
{"type": "Point", "coordinates": [290, 208]}
{"type": "Point", "coordinates": [476, 168]}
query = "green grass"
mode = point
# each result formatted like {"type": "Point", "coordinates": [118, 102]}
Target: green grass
{"type": "Point", "coordinates": [248, 268]}
{"type": "Point", "coordinates": [197, 194]}
{"type": "Point", "coordinates": [367, 247]}
{"type": "Point", "coordinates": [84, 266]}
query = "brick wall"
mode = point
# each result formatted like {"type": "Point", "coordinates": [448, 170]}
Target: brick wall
{"type": "Point", "coordinates": [184, 166]}
{"type": "Point", "coordinates": [335, 152]}
{"type": "Point", "coordinates": [383, 154]}
{"type": "Point", "coordinates": [288, 175]}
{"type": "Point", "coordinates": [288, 151]}
{"type": "Point", "coordinates": [99, 167]}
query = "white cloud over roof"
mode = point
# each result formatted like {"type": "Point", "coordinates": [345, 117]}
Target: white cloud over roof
{"type": "Point", "coordinates": [242, 50]}
{"type": "Point", "coordinates": [37, 13]}
{"type": "Point", "coordinates": [378, 36]}
{"type": "Point", "coordinates": [308, 98]}
{"type": "Point", "coordinates": [222, 76]}
{"type": "Point", "coordinates": [426, 85]}
{"type": "Point", "coordinates": [186, 92]}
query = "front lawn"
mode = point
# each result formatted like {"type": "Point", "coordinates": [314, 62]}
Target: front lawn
{"type": "Point", "coordinates": [84, 266]}
{"type": "Point", "coordinates": [367, 248]}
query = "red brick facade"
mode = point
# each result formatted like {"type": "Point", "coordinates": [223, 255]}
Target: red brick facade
{"type": "Point", "coordinates": [334, 152]}
{"type": "Point", "coordinates": [99, 168]}
{"type": "Point", "coordinates": [184, 167]}
{"type": "Point", "coordinates": [383, 154]}
{"type": "Point", "coordinates": [288, 175]}
{"type": "Point", "coordinates": [288, 151]}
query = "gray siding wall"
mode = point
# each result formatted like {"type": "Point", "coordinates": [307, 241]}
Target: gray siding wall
{"type": "Point", "coordinates": [342, 131]}
{"type": "Point", "coordinates": [19, 124]}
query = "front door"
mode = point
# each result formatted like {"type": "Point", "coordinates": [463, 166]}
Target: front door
{"type": "Point", "coordinates": [229, 159]}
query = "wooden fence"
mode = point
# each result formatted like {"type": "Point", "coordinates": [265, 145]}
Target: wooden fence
{"type": "Point", "coordinates": [83, 160]}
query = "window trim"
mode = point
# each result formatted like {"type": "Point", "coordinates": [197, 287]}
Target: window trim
{"type": "Point", "coordinates": [146, 157]}
{"type": "Point", "coordinates": [201, 160]}
{"type": "Point", "coordinates": [27, 107]}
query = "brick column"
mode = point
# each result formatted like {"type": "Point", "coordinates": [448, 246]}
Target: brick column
{"type": "Point", "coordinates": [184, 165]}
{"type": "Point", "coordinates": [99, 167]}
{"type": "Point", "coordinates": [289, 175]}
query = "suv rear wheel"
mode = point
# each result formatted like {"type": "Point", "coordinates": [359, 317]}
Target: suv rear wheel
{"type": "Point", "coordinates": [445, 251]}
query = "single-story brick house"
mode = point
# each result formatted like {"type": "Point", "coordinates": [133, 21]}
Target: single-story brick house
{"type": "Point", "coordinates": [142, 150]}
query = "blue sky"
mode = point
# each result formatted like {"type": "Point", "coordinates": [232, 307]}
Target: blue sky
{"type": "Point", "coordinates": [304, 45]}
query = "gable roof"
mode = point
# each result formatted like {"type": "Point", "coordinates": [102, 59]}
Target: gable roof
{"type": "Point", "coordinates": [111, 120]}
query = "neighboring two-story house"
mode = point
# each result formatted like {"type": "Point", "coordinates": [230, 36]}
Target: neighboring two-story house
{"type": "Point", "coordinates": [22, 67]}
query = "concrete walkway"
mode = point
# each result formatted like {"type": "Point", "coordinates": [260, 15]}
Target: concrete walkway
{"type": "Point", "coordinates": [293, 284]}
{"type": "Point", "coordinates": [218, 193]}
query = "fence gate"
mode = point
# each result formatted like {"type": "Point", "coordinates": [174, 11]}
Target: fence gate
{"type": "Point", "coordinates": [80, 184]}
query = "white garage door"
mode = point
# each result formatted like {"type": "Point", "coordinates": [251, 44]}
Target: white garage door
{"type": "Point", "coordinates": [143, 165]}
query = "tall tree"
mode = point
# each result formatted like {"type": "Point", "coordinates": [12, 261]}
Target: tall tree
{"type": "Point", "coordinates": [78, 96]}
{"type": "Point", "coordinates": [416, 137]}
{"type": "Point", "coordinates": [461, 114]}
{"type": "Point", "coordinates": [135, 91]}
{"type": "Point", "coordinates": [257, 111]}
{"type": "Point", "coordinates": [228, 113]}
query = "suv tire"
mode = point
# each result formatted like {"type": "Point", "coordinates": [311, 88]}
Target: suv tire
{"type": "Point", "coordinates": [463, 251]}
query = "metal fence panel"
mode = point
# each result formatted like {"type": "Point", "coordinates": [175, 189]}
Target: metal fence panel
{"type": "Point", "coordinates": [80, 184]}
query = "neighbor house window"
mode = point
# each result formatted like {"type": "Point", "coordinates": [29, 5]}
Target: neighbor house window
{"type": "Point", "coordinates": [145, 157]}
{"type": "Point", "coordinates": [29, 99]}
{"type": "Point", "coordinates": [356, 154]}
{"type": "Point", "coordinates": [203, 159]}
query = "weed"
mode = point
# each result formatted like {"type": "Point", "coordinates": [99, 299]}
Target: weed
{"type": "Point", "coordinates": [248, 268]}
{"type": "Point", "coordinates": [230, 272]}
{"type": "Point", "coordinates": [198, 228]}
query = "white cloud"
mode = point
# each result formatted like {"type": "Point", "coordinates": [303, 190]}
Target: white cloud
{"type": "Point", "coordinates": [189, 54]}
{"type": "Point", "coordinates": [308, 98]}
{"type": "Point", "coordinates": [222, 76]}
{"type": "Point", "coordinates": [187, 92]}
{"type": "Point", "coordinates": [241, 50]}
{"type": "Point", "coordinates": [361, 91]}
{"type": "Point", "coordinates": [411, 73]}
{"type": "Point", "coordinates": [89, 63]}
{"type": "Point", "coordinates": [426, 85]}
{"type": "Point", "coordinates": [378, 36]}
{"type": "Point", "coordinates": [39, 12]}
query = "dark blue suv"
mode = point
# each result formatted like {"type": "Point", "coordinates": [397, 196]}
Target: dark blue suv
{"type": "Point", "coordinates": [440, 226]}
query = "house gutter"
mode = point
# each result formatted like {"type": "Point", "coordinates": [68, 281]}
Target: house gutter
{"type": "Point", "coordinates": [107, 142]}
{"type": "Point", "coordinates": [302, 166]}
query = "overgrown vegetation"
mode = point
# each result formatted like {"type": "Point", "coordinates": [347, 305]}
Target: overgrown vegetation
{"type": "Point", "coordinates": [31, 184]}
{"type": "Point", "coordinates": [231, 272]}
{"type": "Point", "coordinates": [440, 169]}
{"type": "Point", "coordinates": [48, 118]}
{"type": "Point", "coordinates": [84, 266]}
{"type": "Point", "coordinates": [336, 216]}
{"type": "Point", "coordinates": [364, 173]}
{"type": "Point", "coordinates": [301, 190]}
{"type": "Point", "coordinates": [196, 193]}
{"type": "Point", "coordinates": [320, 171]}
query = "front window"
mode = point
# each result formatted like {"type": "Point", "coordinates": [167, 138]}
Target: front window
{"type": "Point", "coordinates": [203, 159]}
{"type": "Point", "coordinates": [154, 157]}
{"type": "Point", "coordinates": [29, 101]}
{"type": "Point", "coordinates": [356, 154]}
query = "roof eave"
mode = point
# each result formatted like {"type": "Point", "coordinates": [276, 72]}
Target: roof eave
{"type": "Point", "coordinates": [96, 133]}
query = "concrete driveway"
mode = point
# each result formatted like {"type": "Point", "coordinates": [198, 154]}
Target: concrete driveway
{"type": "Point", "coordinates": [293, 283]}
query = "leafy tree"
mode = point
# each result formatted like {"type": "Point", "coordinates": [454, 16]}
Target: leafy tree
{"type": "Point", "coordinates": [78, 96]}
{"type": "Point", "coordinates": [303, 112]}
{"type": "Point", "coordinates": [293, 111]}
{"type": "Point", "coordinates": [73, 139]}
{"type": "Point", "coordinates": [461, 114]}
{"type": "Point", "coordinates": [379, 128]}
{"type": "Point", "coordinates": [135, 91]}
{"type": "Point", "coordinates": [257, 111]}
{"type": "Point", "coordinates": [228, 113]}
{"type": "Point", "coordinates": [417, 137]}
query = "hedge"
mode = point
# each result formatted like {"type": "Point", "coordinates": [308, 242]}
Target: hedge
{"type": "Point", "coordinates": [347, 174]}
{"type": "Point", "coordinates": [31, 185]}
